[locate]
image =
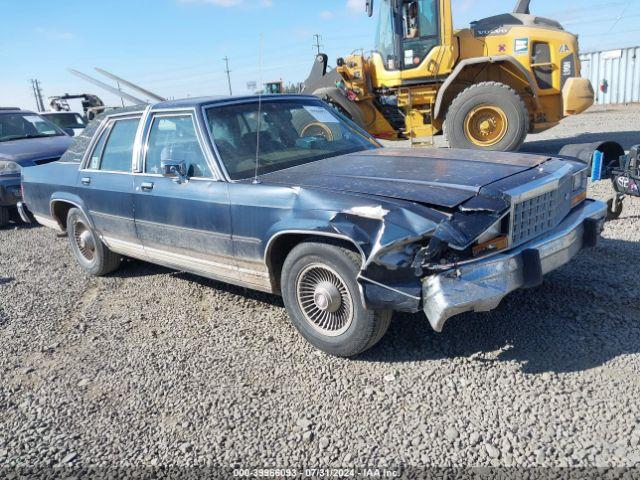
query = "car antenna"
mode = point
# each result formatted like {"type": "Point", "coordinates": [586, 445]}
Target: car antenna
{"type": "Point", "coordinates": [255, 174]}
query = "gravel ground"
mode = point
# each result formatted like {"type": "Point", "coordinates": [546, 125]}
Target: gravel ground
{"type": "Point", "coordinates": [152, 367]}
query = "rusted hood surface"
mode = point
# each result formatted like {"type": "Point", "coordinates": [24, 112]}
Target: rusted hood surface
{"type": "Point", "coordinates": [438, 177]}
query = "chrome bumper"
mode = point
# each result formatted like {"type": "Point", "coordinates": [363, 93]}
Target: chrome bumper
{"type": "Point", "coordinates": [24, 213]}
{"type": "Point", "coordinates": [479, 286]}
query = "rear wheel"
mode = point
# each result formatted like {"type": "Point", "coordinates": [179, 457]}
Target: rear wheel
{"type": "Point", "coordinates": [92, 255]}
{"type": "Point", "coordinates": [487, 116]}
{"type": "Point", "coordinates": [323, 299]}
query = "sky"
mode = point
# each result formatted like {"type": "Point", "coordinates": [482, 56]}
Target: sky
{"type": "Point", "coordinates": [176, 47]}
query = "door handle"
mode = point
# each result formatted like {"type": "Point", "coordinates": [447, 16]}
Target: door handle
{"type": "Point", "coordinates": [146, 186]}
{"type": "Point", "coordinates": [86, 181]}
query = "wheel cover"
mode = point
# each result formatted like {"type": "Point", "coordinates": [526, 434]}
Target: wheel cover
{"type": "Point", "coordinates": [486, 125]}
{"type": "Point", "coordinates": [324, 299]}
{"type": "Point", "coordinates": [84, 240]}
{"type": "Point", "coordinates": [317, 129]}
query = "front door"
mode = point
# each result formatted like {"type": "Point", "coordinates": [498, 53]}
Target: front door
{"type": "Point", "coordinates": [182, 224]}
{"type": "Point", "coordinates": [105, 184]}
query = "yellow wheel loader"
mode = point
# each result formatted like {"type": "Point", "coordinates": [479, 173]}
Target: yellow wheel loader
{"type": "Point", "coordinates": [486, 86]}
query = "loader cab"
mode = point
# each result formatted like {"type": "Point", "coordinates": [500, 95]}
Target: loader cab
{"type": "Point", "coordinates": [408, 30]}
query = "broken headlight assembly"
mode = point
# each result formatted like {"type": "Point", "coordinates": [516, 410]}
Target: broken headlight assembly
{"type": "Point", "coordinates": [9, 168]}
{"type": "Point", "coordinates": [494, 239]}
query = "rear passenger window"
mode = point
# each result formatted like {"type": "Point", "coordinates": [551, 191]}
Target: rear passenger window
{"type": "Point", "coordinates": [174, 138]}
{"type": "Point", "coordinates": [116, 153]}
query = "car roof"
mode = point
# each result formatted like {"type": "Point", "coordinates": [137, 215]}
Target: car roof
{"type": "Point", "coordinates": [202, 101]}
{"type": "Point", "coordinates": [197, 102]}
{"type": "Point", "coordinates": [13, 110]}
{"type": "Point", "coordinates": [59, 113]}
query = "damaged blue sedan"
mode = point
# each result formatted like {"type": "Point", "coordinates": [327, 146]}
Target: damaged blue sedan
{"type": "Point", "coordinates": [283, 194]}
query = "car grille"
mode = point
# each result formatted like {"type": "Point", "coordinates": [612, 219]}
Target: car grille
{"type": "Point", "coordinates": [540, 213]}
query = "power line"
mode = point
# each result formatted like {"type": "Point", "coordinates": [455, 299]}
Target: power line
{"type": "Point", "coordinates": [228, 72]}
{"type": "Point", "coordinates": [624, 10]}
{"type": "Point", "coordinates": [205, 80]}
{"type": "Point", "coordinates": [177, 71]}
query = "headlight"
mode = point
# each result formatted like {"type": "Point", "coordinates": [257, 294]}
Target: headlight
{"type": "Point", "coordinates": [580, 180]}
{"type": "Point", "coordinates": [9, 168]}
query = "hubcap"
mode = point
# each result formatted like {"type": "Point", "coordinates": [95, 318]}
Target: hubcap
{"type": "Point", "coordinates": [486, 125]}
{"type": "Point", "coordinates": [84, 240]}
{"type": "Point", "coordinates": [327, 297]}
{"type": "Point", "coordinates": [317, 129]}
{"type": "Point", "coordinates": [324, 300]}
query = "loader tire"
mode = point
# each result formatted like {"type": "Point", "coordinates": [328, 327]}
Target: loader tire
{"type": "Point", "coordinates": [487, 116]}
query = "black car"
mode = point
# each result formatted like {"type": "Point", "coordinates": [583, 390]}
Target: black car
{"type": "Point", "coordinates": [283, 194]}
{"type": "Point", "coordinates": [26, 139]}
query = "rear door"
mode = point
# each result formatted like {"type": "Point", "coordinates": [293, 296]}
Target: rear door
{"type": "Point", "coordinates": [182, 224]}
{"type": "Point", "coordinates": [105, 183]}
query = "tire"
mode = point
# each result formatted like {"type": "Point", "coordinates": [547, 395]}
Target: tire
{"type": "Point", "coordinates": [614, 209]}
{"type": "Point", "coordinates": [496, 107]}
{"type": "Point", "coordinates": [4, 216]}
{"type": "Point", "coordinates": [92, 255]}
{"type": "Point", "coordinates": [14, 215]}
{"type": "Point", "coordinates": [354, 328]}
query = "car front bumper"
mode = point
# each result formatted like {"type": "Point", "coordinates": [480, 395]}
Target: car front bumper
{"type": "Point", "coordinates": [25, 214]}
{"type": "Point", "coordinates": [10, 193]}
{"type": "Point", "coordinates": [479, 286]}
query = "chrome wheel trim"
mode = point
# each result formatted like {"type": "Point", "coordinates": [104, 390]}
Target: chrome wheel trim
{"type": "Point", "coordinates": [84, 240]}
{"type": "Point", "coordinates": [324, 299]}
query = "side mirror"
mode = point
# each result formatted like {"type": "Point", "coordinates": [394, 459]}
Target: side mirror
{"type": "Point", "coordinates": [174, 168]}
{"type": "Point", "coordinates": [370, 8]}
{"type": "Point", "coordinates": [69, 131]}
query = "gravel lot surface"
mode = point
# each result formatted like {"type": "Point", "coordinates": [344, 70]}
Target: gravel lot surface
{"type": "Point", "coordinates": [152, 367]}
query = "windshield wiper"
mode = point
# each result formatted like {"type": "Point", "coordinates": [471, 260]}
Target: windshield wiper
{"type": "Point", "coordinates": [22, 137]}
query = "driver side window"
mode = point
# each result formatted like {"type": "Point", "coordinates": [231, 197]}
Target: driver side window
{"type": "Point", "coordinates": [421, 35]}
{"type": "Point", "coordinates": [174, 138]}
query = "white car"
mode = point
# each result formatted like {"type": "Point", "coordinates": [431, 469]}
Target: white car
{"type": "Point", "coordinates": [67, 121]}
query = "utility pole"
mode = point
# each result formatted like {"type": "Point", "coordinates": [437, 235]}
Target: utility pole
{"type": "Point", "coordinates": [37, 93]}
{"type": "Point", "coordinates": [317, 44]}
{"type": "Point", "coordinates": [228, 72]}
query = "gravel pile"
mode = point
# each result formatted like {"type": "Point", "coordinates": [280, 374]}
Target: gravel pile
{"type": "Point", "coordinates": [152, 367]}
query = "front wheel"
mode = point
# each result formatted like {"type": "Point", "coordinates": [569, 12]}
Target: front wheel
{"type": "Point", "coordinates": [614, 207]}
{"type": "Point", "coordinates": [487, 116]}
{"type": "Point", "coordinates": [322, 297]}
{"type": "Point", "coordinates": [5, 216]}
{"type": "Point", "coordinates": [92, 255]}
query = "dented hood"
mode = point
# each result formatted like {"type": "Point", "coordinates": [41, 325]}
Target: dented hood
{"type": "Point", "coordinates": [437, 177]}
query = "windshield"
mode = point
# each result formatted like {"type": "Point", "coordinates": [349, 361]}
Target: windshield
{"type": "Point", "coordinates": [386, 40]}
{"type": "Point", "coordinates": [66, 120]}
{"type": "Point", "coordinates": [15, 126]}
{"type": "Point", "coordinates": [291, 133]}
